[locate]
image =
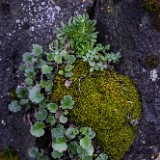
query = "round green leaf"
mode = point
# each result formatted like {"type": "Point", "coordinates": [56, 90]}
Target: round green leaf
{"type": "Point", "coordinates": [71, 132]}
{"type": "Point", "coordinates": [85, 142]}
{"type": "Point", "coordinates": [58, 59]}
{"type": "Point", "coordinates": [63, 119]}
{"type": "Point", "coordinates": [52, 107]}
{"type": "Point", "coordinates": [37, 129]}
{"type": "Point", "coordinates": [14, 106]}
{"type": "Point", "coordinates": [67, 102]}
{"type": "Point", "coordinates": [71, 59]}
{"type": "Point", "coordinates": [29, 81]}
{"type": "Point", "coordinates": [60, 144]}
{"type": "Point", "coordinates": [61, 72]}
{"type": "Point", "coordinates": [35, 95]}
{"type": "Point", "coordinates": [58, 131]}
{"type": "Point", "coordinates": [68, 68]}
{"type": "Point", "coordinates": [51, 119]}
{"type": "Point", "coordinates": [27, 57]}
{"type": "Point", "coordinates": [37, 50]}
{"type": "Point", "coordinates": [21, 92]}
{"type": "Point", "coordinates": [30, 73]}
{"type": "Point", "coordinates": [56, 154]}
{"type": "Point", "coordinates": [46, 69]}
{"type": "Point", "coordinates": [33, 152]}
{"type": "Point", "coordinates": [41, 115]}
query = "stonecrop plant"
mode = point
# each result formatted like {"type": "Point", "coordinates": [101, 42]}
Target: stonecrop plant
{"type": "Point", "coordinates": [75, 40]}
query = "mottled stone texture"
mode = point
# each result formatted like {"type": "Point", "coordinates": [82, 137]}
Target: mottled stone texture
{"type": "Point", "coordinates": [128, 28]}
{"type": "Point", "coordinates": [23, 23]}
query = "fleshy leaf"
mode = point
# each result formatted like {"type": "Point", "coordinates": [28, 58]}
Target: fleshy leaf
{"type": "Point", "coordinates": [37, 129]}
{"type": "Point", "coordinates": [68, 68]}
{"type": "Point", "coordinates": [51, 119]}
{"type": "Point", "coordinates": [14, 106]}
{"type": "Point", "coordinates": [67, 102]}
{"type": "Point", "coordinates": [71, 132]}
{"type": "Point", "coordinates": [30, 73]}
{"type": "Point", "coordinates": [46, 69]}
{"type": "Point", "coordinates": [58, 59]}
{"type": "Point", "coordinates": [60, 144]}
{"type": "Point", "coordinates": [41, 115]}
{"type": "Point", "coordinates": [85, 142]}
{"type": "Point", "coordinates": [63, 119]}
{"type": "Point", "coordinates": [21, 92]}
{"type": "Point", "coordinates": [37, 50]}
{"type": "Point", "coordinates": [58, 131]}
{"type": "Point", "coordinates": [33, 152]}
{"type": "Point", "coordinates": [56, 154]}
{"type": "Point", "coordinates": [35, 95]}
{"type": "Point", "coordinates": [52, 107]}
{"type": "Point", "coordinates": [27, 57]}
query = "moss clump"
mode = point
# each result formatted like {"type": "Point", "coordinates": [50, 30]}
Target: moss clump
{"type": "Point", "coordinates": [105, 101]}
{"type": "Point", "coordinates": [153, 6]}
{"type": "Point", "coordinates": [9, 153]}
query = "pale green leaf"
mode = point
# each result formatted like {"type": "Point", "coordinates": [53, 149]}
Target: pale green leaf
{"type": "Point", "coordinates": [14, 106]}
{"type": "Point", "coordinates": [60, 144]}
{"type": "Point", "coordinates": [56, 154]}
{"type": "Point", "coordinates": [37, 50]}
{"type": "Point", "coordinates": [63, 119]}
{"type": "Point", "coordinates": [67, 102]}
{"type": "Point", "coordinates": [35, 95]}
{"type": "Point", "coordinates": [85, 142]}
{"type": "Point", "coordinates": [46, 69]}
{"type": "Point", "coordinates": [21, 92]}
{"type": "Point", "coordinates": [58, 131]}
{"type": "Point", "coordinates": [37, 129]}
{"type": "Point", "coordinates": [52, 107]}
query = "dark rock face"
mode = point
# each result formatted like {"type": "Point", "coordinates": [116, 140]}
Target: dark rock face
{"type": "Point", "coordinates": [23, 23]}
{"type": "Point", "coordinates": [128, 28]}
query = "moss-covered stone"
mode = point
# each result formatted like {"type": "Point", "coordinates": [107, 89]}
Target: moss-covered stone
{"type": "Point", "coordinates": [153, 6]}
{"type": "Point", "coordinates": [105, 101]}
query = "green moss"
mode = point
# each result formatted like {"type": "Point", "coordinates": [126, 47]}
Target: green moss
{"type": "Point", "coordinates": [153, 6]}
{"type": "Point", "coordinates": [105, 101]}
{"type": "Point", "coordinates": [9, 153]}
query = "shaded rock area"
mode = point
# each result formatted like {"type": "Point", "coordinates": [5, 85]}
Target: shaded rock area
{"type": "Point", "coordinates": [129, 29]}
{"type": "Point", "coordinates": [23, 23]}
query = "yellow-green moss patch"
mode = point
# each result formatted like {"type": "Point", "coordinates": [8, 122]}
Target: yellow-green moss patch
{"type": "Point", "coordinates": [153, 6]}
{"type": "Point", "coordinates": [105, 101]}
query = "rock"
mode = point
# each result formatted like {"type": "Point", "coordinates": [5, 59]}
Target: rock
{"type": "Point", "coordinates": [24, 23]}
{"type": "Point", "coordinates": [129, 29]}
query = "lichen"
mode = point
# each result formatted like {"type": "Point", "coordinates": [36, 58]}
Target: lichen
{"type": "Point", "coordinates": [153, 6]}
{"type": "Point", "coordinates": [105, 101]}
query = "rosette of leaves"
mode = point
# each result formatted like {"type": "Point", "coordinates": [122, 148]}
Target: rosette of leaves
{"type": "Point", "coordinates": [80, 33]}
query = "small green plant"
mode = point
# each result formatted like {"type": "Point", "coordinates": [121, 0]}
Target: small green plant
{"type": "Point", "coordinates": [75, 40]}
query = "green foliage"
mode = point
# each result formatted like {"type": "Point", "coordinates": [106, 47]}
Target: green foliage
{"type": "Point", "coordinates": [60, 144]}
{"type": "Point", "coordinates": [35, 95]}
{"type": "Point", "coordinates": [103, 101]}
{"type": "Point", "coordinates": [9, 153]}
{"type": "Point", "coordinates": [14, 106]}
{"type": "Point", "coordinates": [67, 102]}
{"type": "Point", "coordinates": [37, 129]}
{"type": "Point", "coordinates": [76, 42]}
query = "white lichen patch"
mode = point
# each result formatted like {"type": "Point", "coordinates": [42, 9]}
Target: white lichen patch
{"type": "Point", "coordinates": [153, 75]}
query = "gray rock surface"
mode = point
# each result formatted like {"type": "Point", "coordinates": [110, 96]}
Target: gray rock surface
{"type": "Point", "coordinates": [129, 29]}
{"type": "Point", "coordinates": [23, 23]}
